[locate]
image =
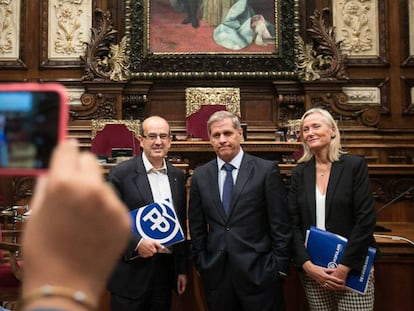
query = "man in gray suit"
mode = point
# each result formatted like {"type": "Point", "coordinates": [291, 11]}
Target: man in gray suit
{"type": "Point", "coordinates": [147, 273]}
{"type": "Point", "coordinates": [243, 253]}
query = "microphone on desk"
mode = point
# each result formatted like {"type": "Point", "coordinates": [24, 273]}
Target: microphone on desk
{"type": "Point", "coordinates": [379, 228]}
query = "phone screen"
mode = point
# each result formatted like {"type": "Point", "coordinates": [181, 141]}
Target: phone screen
{"type": "Point", "coordinates": [29, 128]}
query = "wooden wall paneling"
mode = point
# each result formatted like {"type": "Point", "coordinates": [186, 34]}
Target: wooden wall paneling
{"type": "Point", "coordinates": [135, 101]}
{"type": "Point", "coordinates": [394, 280]}
{"type": "Point", "coordinates": [168, 102]}
{"type": "Point", "coordinates": [6, 191]}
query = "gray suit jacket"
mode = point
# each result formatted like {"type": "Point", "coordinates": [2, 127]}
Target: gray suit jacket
{"type": "Point", "coordinates": [254, 241]}
{"type": "Point", "coordinates": [129, 178]}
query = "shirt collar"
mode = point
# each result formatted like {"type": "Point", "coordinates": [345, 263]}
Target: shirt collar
{"type": "Point", "coordinates": [149, 168]}
{"type": "Point", "coordinates": [236, 161]}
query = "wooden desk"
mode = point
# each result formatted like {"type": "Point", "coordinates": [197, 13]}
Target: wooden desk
{"type": "Point", "coordinates": [400, 241]}
{"type": "Point", "coordinates": [394, 270]}
{"type": "Point", "coordinates": [106, 166]}
{"type": "Point", "coordinates": [248, 146]}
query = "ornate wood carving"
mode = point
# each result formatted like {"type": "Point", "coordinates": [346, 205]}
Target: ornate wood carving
{"type": "Point", "coordinates": [22, 188]}
{"type": "Point", "coordinates": [321, 59]}
{"type": "Point", "coordinates": [134, 106]}
{"type": "Point", "coordinates": [229, 97]}
{"type": "Point", "coordinates": [103, 59]}
{"type": "Point", "coordinates": [100, 101]}
{"type": "Point", "coordinates": [12, 33]}
{"type": "Point", "coordinates": [387, 188]}
{"type": "Point", "coordinates": [64, 29]}
{"type": "Point", "coordinates": [337, 104]}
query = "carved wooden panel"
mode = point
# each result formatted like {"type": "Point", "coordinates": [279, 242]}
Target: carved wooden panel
{"type": "Point", "coordinates": [12, 31]}
{"type": "Point", "coordinates": [66, 27]}
{"type": "Point", "coordinates": [361, 29]}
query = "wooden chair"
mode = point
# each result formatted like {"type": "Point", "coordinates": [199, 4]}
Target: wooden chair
{"type": "Point", "coordinates": [109, 134]}
{"type": "Point", "coordinates": [202, 102]}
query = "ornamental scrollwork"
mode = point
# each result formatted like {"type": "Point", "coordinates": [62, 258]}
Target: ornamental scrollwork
{"type": "Point", "coordinates": [321, 59]}
{"type": "Point", "coordinates": [103, 59]}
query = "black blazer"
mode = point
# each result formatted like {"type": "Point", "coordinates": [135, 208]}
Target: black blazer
{"type": "Point", "coordinates": [254, 240]}
{"type": "Point", "coordinates": [349, 207]}
{"type": "Point", "coordinates": [132, 274]}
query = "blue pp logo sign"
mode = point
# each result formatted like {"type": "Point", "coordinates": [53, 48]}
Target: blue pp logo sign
{"type": "Point", "coordinates": [158, 221]}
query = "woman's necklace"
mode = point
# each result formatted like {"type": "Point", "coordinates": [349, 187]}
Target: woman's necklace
{"type": "Point", "coordinates": [327, 169]}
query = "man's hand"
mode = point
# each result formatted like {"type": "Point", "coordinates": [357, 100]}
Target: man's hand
{"type": "Point", "coordinates": [148, 248]}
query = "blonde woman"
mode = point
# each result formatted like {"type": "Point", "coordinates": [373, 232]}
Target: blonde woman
{"type": "Point", "coordinates": [331, 190]}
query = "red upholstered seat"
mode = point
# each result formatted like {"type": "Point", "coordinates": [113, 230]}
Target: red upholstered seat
{"type": "Point", "coordinates": [109, 134]}
{"type": "Point", "coordinates": [202, 102]}
{"type": "Point", "coordinates": [9, 271]}
{"type": "Point", "coordinates": [196, 123]}
{"type": "Point", "coordinates": [7, 277]}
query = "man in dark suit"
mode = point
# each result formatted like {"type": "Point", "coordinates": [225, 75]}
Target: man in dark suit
{"type": "Point", "coordinates": [147, 273]}
{"type": "Point", "coordinates": [242, 254]}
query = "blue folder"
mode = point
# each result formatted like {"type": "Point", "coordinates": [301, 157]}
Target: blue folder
{"type": "Point", "coordinates": [157, 221]}
{"type": "Point", "coordinates": [326, 249]}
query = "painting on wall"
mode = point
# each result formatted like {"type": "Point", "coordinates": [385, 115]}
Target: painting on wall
{"type": "Point", "coordinates": [194, 26]}
{"type": "Point", "coordinates": [192, 38]}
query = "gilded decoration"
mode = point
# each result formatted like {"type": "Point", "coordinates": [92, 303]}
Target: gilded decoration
{"type": "Point", "coordinates": [103, 58]}
{"type": "Point", "coordinates": [321, 58]}
{"type": "Point", "coordinates": [198, 96]}
{"type": "Point", "coordinates": [99, 124]}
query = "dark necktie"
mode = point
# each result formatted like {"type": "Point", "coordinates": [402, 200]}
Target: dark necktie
{"type": "Point", "coordinates": [227, 187]}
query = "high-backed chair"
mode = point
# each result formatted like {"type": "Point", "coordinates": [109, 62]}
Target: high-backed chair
{"type": "Point", "coordinates": [202, 102]}
{"type": "Point", "coordinates": [107, 135]}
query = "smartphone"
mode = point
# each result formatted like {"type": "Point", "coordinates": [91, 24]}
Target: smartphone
{"type": "Point", "coordinates": [33, 120]}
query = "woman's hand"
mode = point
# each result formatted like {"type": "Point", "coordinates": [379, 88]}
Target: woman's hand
{"type": "Point", "coordinates": [327, 277]}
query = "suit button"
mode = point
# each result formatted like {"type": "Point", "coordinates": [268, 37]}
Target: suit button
{"type": "Point", "coordinates": [227, 229]}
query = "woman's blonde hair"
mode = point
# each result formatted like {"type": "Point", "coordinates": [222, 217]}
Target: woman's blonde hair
{"type": "Point", "coordinates": [335, 148]}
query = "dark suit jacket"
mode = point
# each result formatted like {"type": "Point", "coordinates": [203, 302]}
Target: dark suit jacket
{"type": "Point", "coordinates": [129, 178]}
{"type": "Point", "coordinates": [254, 241]}
{"type": "Point", "coordinates": [349, 207]}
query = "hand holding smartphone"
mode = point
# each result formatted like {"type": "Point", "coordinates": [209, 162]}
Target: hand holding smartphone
{"type": "Point", "coordinates": [33, 120]}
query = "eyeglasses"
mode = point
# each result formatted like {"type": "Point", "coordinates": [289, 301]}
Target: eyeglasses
{"type": "Point", "coordinates": [153, 136]}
